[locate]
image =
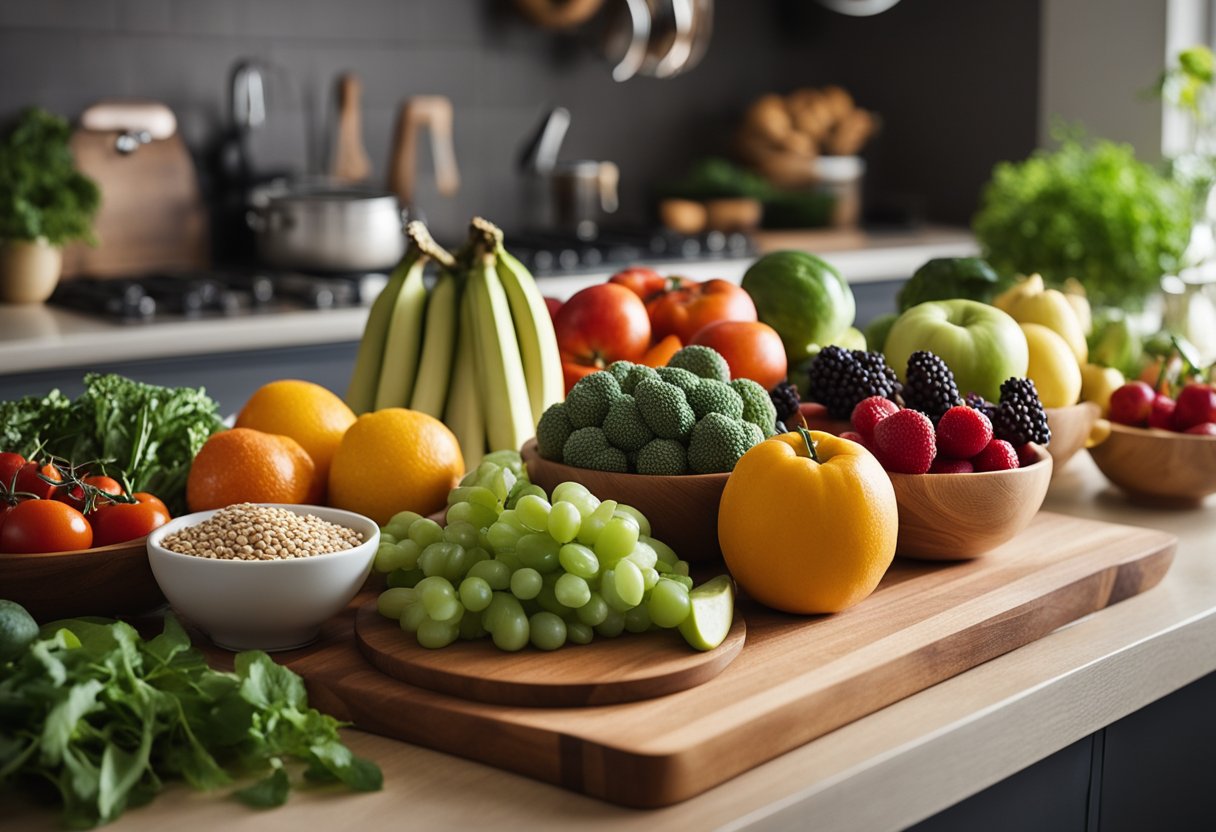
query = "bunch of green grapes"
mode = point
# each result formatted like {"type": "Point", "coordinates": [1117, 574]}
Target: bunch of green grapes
{"type": "Point", "coordinates": [513, 564]}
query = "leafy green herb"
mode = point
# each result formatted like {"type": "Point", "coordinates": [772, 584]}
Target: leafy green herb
{"type": "Point", "coordinates": [1093, 212]}
{"type": "Point", "coordinates": [106, 717]}
{"type": "Point", "coordinates": [149, 433]}
{"type": "Point", "coordinates": [43, 195]}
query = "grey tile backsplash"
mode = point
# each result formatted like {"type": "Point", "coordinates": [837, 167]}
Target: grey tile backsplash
{"type": "Point", "coordinates": [956, 82]}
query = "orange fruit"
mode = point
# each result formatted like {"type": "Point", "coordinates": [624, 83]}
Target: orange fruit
{"type": "Point", "coordinates": [307, 412]}
{"type": "Point", "coordinates": [248, 466]}
{"type": "Point", "coordinates": [804, 536]}
{"type": "Point", "coordinates": [395, 460]}
{"type": "Point", "coordinates": [659, 354]}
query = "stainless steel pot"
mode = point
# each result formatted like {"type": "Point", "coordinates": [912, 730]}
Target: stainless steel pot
{"type": "Point", "coordinates": [328, 228]}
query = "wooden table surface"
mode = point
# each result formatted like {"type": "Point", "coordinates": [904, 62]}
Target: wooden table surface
{"type": "Point", "coordinates": [883, 772]}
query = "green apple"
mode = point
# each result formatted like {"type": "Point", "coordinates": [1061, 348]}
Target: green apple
{"type": "Point", "coordinates": [711, 612]}
{"type": "Point", "coordinates": [982, 345]}
{"type": "Point", "coordinates": [802, 297]}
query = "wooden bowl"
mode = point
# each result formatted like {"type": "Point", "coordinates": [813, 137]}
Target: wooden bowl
{"type": "Point", "coordinates": [683, 511]}
{"type": "Point", "coordinates": [1159, 467]}
{"type": "Point", "coordinates": [1070, 430]}
{"type": "Point", "coordinates": [108, 581]}
{"type": "Point", "coordinates": [964, 516]}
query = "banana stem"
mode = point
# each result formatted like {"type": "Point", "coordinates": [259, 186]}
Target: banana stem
{"type": "Point", "coordinates": [423, 242]}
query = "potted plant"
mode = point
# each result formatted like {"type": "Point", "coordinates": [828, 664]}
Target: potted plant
{"type": "Point", "coordinates": [44, 203]}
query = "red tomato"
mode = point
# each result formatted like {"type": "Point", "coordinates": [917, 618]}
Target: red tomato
{"type": "Point", "coordinates": [120, 522]}
{"type": "Point", "coordinates": [602, 324]}
{"type": "Point", "coordinates": [572, 372]}
{"type": "Point", "coordinates": [752, 349]}
{"type": "Point", "coordinates": [44, 526]}
{"type": "Point", "coordinates": [10, 464]}
{"type": "Point", "coordinates": [151, 499]}
{"type": "Point", "coordinates": [29, 482]}
{"type": "Point", "coordinates": [74, 496]}
{"type": "Point", "coordinates": [690, 307]}
{"type": "Point", "coordinates": [643, 282]}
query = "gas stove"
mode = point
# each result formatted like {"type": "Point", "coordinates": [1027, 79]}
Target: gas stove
{"type": "Point", "coordinates": [612, 249]}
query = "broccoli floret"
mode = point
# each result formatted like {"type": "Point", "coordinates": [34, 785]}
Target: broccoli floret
{"type": "Point", "coordinates": [588, 401]}
{"type": "Point", "coordinates": [702, 362]}
{"type": "Point", "coordinates": [711, 396]}
{"type": "Point", "coordinates": [552, 431]}
{"type": "Point", "coordinates": [681, 378]}
{"type": "Point", "coordinates": [620, 370]}
{"type": "Point", "coordinates": [662, 458]}
{"type": "Point", "coordinates": [717, 443]}
{"type": "Point", "coordinates": [664, 408]}
{"type": "Point", "coordinates": [756, 433]}
{"type": "Point", "coordinates": [624, 425]}
{"type": "Point", "coordinates": [758, 407]}
{"type": "Point", "coordinates": [636, 374]}
{"type": "Point", "coordinates": [589, 448]}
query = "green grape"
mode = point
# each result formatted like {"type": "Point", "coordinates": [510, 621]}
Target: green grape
{"type": "Point", "coordinates": [643, 555]}
{"type": "Point", "coordinates": [564, 520]}
{"type": "Point", "coordinates": [638, 517]}
{"type": "Point", "coordinates": [434, 558]}
{"type": "Point", "coordinates": [475, 594]}
{"type": "Point", "coordinates": [546, 599]}
{"type": "Point", "coordinates": [572, 591]}
{"type": "Point", "coordinates": [478, 515]}
{"type": "Point", "coordinates": [637, 620]}
{"type": "Point", "coordinates": [526, 583]}
{"type": "Point", "coordinates": [502, 537]}
{"type": "Point", "coordinates": [506, 458]}
{"type": "Point", "coordinates": [546, 631]}
{"type": "Point", "coordinates": [681, 568]}
{"type": "Point", "coordinates": [404, 577]}
{"type": "Point", "coordinates": [591, 527]}
{"type": "Point", "coordinates": [485, 473]}
{"type": "Point", "coordinates": [470, 626]}
{"type": "Point", "coordinates": [594, 611]}
{"type": "Point", "coordinates": [576, 493]}
{"type": "Point", "coordinates": [579, 633]}
{"type": "Point", "coordinates": [464, 534]}
{"type": "Point", "coordinates": [578, 560]}
{"type": "Point", "coordinates": [392, 602]}
{"type": "Point", "coordinates": [669, 604]}
{"type": "Point", "coordinates": [425, 531]}
{"type": "Point", "coordinates": [511, 631]}
{"type": "Point", "coordinates": [511, 518]}
{"type": "Point", "coordinates": [399, 524]}
{"type": "Point", "coordinates": [619, 536]}
{"type": "Point", "coordinates": [629, 583]}
{"type": "Point", "coordinates": [609, 592]}
{"type": "Point", "coordinates": [612, 625]}
{"type": "Point", "coordinates": [538, 551]}
{"type": "Point", "coordinates": [533, 512]}
{"type": "Point", "coordinates": [435, 634]}
{"type": "Point", "coordinates": [385, 537]}
{"type": "Point", "coordinates": [473, 494]}
{"type": "Point", "coordinates": [386, 558]}
{"type": "Point", "coordinates": [492, 613]}
{"type": "Point", "coordinates": [525, 490]}
{"type": "Point", "coordinates": [458, 562]}
{"type": "Point", "coordinates": [501, 484]}
{"type": "Point", "coordinates": [650, 577]}
{"type": "Point", "coordinates": [439, 597]}
{"type": "Point", "coordinates": [664, 552]}
{"type": "Point", "coordinates": [413, 617]}
{"type": "Point", "coordinates": [495, 573]}
{"type": "Point", "coordinates": [682, 580]}
{"type": "Point", "coordinates": [510, 560]}
{"type": "Point", "coordinates": [408, 552]}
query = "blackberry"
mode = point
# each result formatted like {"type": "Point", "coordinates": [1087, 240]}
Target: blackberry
{"type": "Point", "coordinates": [839, 379]}
{"type": "Point", "coordinates": [930, 386]}
{"type": "Point", "coordinates": [1020, 417]}
{"type": "Point", "coordinates": [977, 402]}
{"type": "Point", "coordinates": [785, 399]}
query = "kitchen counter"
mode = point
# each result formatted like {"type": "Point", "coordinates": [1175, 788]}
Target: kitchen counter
{"type": "Point", "coordinates": [36, 338]}
{"type": "Point", "coordinates": [884, 772]}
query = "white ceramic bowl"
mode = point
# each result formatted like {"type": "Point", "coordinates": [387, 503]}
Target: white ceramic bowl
{"type": "Point", "coordinates": [263, 604]}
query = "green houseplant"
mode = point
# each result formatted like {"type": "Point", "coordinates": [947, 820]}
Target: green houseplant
{"type": "Point", "coordinates": [44, 203]}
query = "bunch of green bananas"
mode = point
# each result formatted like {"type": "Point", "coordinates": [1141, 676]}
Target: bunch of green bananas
{"type": "Point", "coordinates": [477, 350]}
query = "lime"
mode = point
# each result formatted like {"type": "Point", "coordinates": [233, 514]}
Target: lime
{"type": "Point", "coordinates": [18, 629]}
{"type": "Point", "coordinates": [712, 610]}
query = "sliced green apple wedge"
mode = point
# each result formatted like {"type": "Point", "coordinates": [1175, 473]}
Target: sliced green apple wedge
{"type": "Point", "coordinates": [712, 610]}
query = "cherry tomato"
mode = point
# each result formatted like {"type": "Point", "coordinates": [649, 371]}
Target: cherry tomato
{"type": "Point", "coordinates": [689, 307]}
{"type": "Point", "coordinates": [74, 496]}
{"type": "Point", "coordinates": [120, 522]}
{"type": "Point", "coordinates": [44, 526]}
{"type": "Point", "coordinates": [10, 464]}
{"type": "Point", "coordinates": [29, 482]}
{"type": "Point", "coordinates": [643, 282]}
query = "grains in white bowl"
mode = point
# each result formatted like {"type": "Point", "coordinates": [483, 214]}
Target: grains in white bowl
{"type": "Point", "coordinates": [247, 531]}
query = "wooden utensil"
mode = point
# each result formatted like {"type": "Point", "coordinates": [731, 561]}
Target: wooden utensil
{"type": "Point", "coordinates": [683, 511]}
{"type": "Point", "coordinates": [1070, 430]}
{"type": "Point", "coordinates": [605, 672]}
{"type": "Point", "coordinates": [559, 14]}
{"type": "Point", "coordinates": [350, 162]}
{"type": "Point", "coordinates": [433, 112]}
{"type": "Point", "coordinates": [963, 516]}
{"type": "Point", "coordinates": [1159, 467]}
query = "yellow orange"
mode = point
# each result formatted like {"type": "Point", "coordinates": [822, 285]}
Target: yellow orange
{"type": "Point", "coordinates": [307, 412]}
{"type": "Point", "coordinates": [395, 460]}
{"type": "Point", "coordinates": [248, 466]}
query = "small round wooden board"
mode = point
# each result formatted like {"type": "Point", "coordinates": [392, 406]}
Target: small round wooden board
{"type": "Point", "coordinates": [606, 672]}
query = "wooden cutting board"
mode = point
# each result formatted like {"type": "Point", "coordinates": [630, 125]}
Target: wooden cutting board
{"type": "Point", "coordinates": [794, 680]}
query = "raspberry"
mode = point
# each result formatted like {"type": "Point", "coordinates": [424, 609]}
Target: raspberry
{"type": "Point", "coordinates": [854, 436]}
{"type": "Point", "coordinates": [1026, 455]}
{"type": "Point", "coordinates": [840, 379]}
{"type": "Point", "coordinates": [947, 465]}
{"type": "Point", "coordinates": [869, 412]}
{"type": "Point", "coordinates": [963, 432]}
{"type": "Point", "coordinates": [930, 386]}
{"type": "Point", "coordinates": [1019, 417]}
{"type": "Point", "coordinates": [905, 442]}
{"type": "Point", "coordinates": [998, 456]}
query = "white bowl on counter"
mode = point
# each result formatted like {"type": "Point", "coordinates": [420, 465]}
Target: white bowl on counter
{"type": "Point", "coordinates": [263, 604]}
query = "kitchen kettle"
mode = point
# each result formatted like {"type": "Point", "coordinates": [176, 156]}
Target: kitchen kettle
{"type": "Point", "coordinates": [565, 197]}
